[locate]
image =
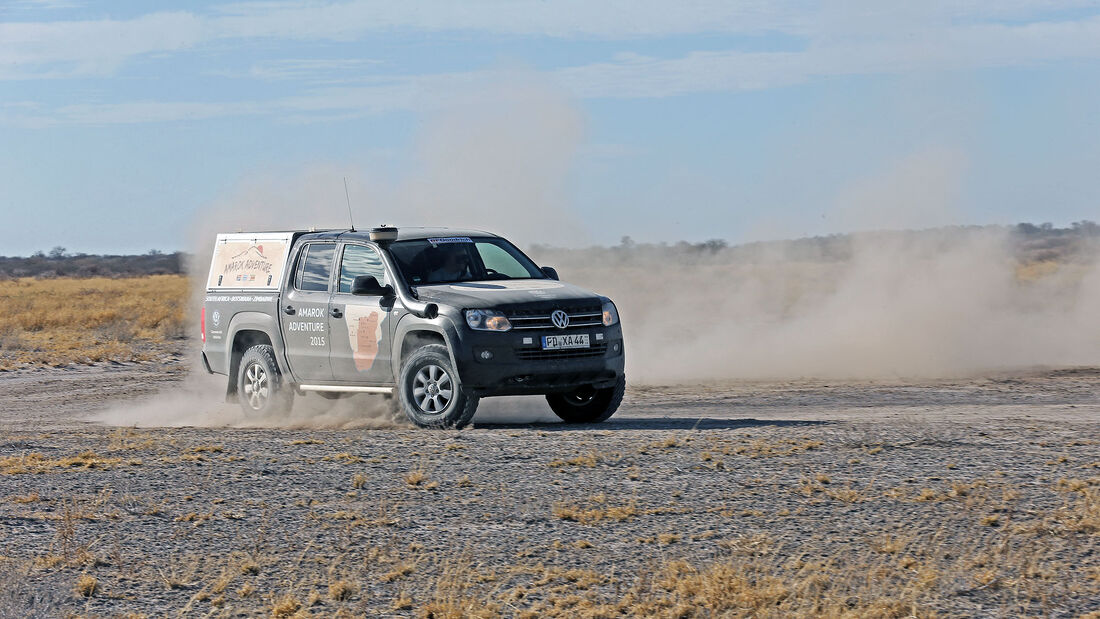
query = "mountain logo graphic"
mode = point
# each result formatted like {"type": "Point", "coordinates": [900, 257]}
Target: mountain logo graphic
{"type": "Point", "coordinates": [252, 252]}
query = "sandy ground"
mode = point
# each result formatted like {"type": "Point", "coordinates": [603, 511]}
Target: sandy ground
{"type": "Point", "coordinates": [103, 473]}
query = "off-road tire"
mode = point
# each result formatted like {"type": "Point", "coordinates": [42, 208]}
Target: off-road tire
{"type": "Point", "coordinates": [591, 406]}
{"type": "Point", "coordinates": [261, 390]}
{"type": "Point", "coordinates": [429, 367]}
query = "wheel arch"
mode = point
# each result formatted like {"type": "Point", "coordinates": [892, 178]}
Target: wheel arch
{"type": "Point", "coordinates": [411, 334]}
{"type": "Point", "coordinates": [248, 329]}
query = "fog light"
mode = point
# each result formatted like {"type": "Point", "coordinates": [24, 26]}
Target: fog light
{"type": "Point", "coordinates": [615, 347]}
{"type": "Point", "coordinates": [486, 355]}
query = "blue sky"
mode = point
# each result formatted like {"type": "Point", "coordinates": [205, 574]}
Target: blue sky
{"type": "Point", "coordinates": [126, 125]}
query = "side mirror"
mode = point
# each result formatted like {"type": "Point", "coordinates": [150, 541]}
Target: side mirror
{"type": "Point", "coordinates": [550, 272]}
{"type": "Point", "coordinates": [367, 285]}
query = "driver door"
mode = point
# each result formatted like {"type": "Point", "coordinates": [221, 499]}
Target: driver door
{"type": "Point", "coordinates": [361, 328]}
{"type": "Point", "coordinates": [304, 313]}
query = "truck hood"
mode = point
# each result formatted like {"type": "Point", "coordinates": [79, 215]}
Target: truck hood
{"type": "Point", "coordinates": [507, 294]}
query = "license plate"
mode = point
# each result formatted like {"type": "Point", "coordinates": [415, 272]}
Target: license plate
{"type": "Point", "coordinates": [561, 342]}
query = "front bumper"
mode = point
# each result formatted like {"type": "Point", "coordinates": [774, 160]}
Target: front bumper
{"type": "Point", "coordinates": [517, 365]}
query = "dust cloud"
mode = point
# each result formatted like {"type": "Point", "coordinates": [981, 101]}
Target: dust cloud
{"type": "Point", "coordinates": [199, 401]}
{"type": "Point", "coordinates": [934, 303]}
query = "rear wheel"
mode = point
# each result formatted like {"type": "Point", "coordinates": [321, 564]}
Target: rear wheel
{"type": "Point", "coordinates": [587, 404]}
{"type": "Point", "coordinates": [430, 392]}
{"type": "Point", "coordinates": [260, 387]}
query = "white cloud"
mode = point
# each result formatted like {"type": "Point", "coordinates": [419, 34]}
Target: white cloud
{"type": "Point", "coordinates": [961, 48]}
{"type": "Point", "coordinates": [92, 47]}
{"type": "Point", "coordinates": [311, 69]}
{"type": "Point", "coordinates": [868, 41]}
{"type": "Point", "coordinates": [46, 5]}
{"type": "Point", "coordinates": [97, 47]}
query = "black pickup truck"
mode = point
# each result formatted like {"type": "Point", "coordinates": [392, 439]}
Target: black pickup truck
{"type": "Point", "coordinates": [435, 318]}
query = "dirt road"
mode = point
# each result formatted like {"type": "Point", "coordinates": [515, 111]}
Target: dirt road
{"type": "Point", "coordinates": [976, 496]}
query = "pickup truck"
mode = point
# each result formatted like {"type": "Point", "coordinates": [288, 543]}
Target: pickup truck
{"type": "Point", "coordinates": [434, 318]}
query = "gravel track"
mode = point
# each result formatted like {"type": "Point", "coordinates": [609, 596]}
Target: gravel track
{"type": "Point", "coordinates": [235, 521]}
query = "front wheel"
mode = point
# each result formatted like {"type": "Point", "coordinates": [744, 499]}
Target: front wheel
{"type": "Point", "coordinates": [260, 387]}
{"type": "Point", "coordinates": [588, 405]}
{"type": "Point", "coordinates": [430, 392]}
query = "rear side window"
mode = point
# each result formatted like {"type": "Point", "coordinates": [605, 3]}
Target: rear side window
{"type": "Point", "coordinates": [360, 260]}
{"type": "Point", "coordinates": [315, 268]}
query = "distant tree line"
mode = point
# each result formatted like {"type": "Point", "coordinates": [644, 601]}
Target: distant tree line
{"type": "Point", "coordinates": [1045, 242]}
{"type": "Point", "coordinates": [58, 262]}
{"type": "Point", "coordinates": [1031, 243]}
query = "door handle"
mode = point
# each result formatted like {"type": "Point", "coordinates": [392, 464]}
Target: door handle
{"type": "Point", "coordinates": [336, 313]}
{"type": "Point", "coordinates": [289, 310]}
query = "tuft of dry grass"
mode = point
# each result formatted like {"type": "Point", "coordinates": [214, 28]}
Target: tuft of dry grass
{"type": "Point", "coordinates": [340, 590]}
{"type": "Point", "coordinates": [415, 477]}
{"type": "Point", "coordinates": [418, 478]}
{"type": "Point", "coordinates": [455, 595]}
{"type": "Point", "coordinates": [401, 570]}
{"type": "Point", "coordinates": [86, 586]}
{"type": "Point", "coordinates": [285, 606]}
{"type": "Point", "coordinates": [402, 602]}
{"type": "Point", "coordinates": [66, 320]}
{"type": "Point", "coordinates": [587, 460]}
{"type": "Point", "coordinates": [764, 448]}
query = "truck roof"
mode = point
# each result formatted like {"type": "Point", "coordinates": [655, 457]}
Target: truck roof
{"type": "Point", "coordinates": [403, 234]}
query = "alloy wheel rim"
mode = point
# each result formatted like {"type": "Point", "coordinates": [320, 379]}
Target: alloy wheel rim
{"type": "Point", "coordinates": [257, 387]}
{"type": "Point", "coordinates": [432, 389]}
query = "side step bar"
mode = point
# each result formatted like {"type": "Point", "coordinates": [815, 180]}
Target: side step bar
{"type": "Point", "coordinates": [345, 389]}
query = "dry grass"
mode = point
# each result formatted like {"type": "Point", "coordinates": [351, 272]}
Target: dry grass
{"type": "Point", "coordinates": [86, 585]}
{"type": "Point", "coordinates": [340, 590]}
{"type": "Point", "coordinates": [415, 477]}
{"type": "Point", "coordinates": [35, 462]}
{"type": "Point", "coordinates": [63, 321]}
{"type": "Point", "coordinates": [883, 573]}
{"type": "Point", "coordinates": [595, 510]}
{"type": "Point", "coordinates": [588, 460]}
{"type": "Point", "coordinates": [285, 606]}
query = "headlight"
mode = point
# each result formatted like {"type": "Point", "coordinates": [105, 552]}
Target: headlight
{"type": "Point", "coordinates": [487, 320]}
{"type": "Point", "coordinates": [610, 314]}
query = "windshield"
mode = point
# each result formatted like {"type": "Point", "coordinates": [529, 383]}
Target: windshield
{"type": "Point", "coordinates": [461, 259]}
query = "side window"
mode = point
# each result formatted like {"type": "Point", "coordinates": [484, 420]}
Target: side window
{"type": "Point", "coordinates": [360, 260]}
{"type": "Point", "coordinates": [315, 268]}
{"type": "Point", "coordinates": [499, 260]}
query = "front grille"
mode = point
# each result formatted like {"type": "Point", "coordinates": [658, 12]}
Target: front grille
{"type": "Point", "coordinates": [540, 319]}
{"type": "Point", "coordinates": [535, 354]}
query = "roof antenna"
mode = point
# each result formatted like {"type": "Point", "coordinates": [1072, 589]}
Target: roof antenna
{"type": "Point", "coordinates": [348, 196]}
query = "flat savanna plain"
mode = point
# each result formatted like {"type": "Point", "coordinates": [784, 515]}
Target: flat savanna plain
{"type": "Point", "coordinates": [976, 496]}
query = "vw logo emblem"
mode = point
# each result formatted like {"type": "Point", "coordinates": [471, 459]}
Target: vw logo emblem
{"type": "Point", "coordinates": [560, 319]}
